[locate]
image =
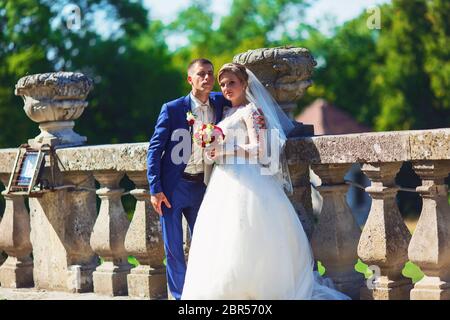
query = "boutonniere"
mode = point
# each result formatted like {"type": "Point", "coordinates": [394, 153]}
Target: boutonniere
{"type": "Point", "coordinates": [190, 117]}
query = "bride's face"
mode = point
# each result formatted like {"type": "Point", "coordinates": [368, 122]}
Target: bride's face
{"type": "Point", "coordinates": [232, 87]}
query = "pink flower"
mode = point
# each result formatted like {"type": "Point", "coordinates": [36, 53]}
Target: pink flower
{"type": "Point", "coordinates": [206, 135]}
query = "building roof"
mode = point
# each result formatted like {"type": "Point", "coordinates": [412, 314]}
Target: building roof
{"type": "Point", "coordinates": [328, 119]}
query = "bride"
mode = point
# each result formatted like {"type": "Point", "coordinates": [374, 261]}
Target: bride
{"type": "Point", "coordinates": [248, 241]}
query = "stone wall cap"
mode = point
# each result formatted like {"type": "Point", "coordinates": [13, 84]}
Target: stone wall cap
{"type": "Point", "coordinates": [394, 146]}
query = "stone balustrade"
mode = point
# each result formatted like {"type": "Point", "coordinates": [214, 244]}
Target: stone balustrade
{"type": "Point", "coordinates": [66, 236]}
{"type": "Point", "coordinates": [384, 242]}
{"type": "Point", "coordinates": [77, 237]}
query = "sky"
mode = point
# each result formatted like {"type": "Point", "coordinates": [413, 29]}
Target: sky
{"type": "Point", "coordinates": [341, 10]}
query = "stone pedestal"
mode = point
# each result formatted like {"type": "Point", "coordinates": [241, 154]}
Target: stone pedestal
{"type": "Point", "coordinates": [55, 100]}
{"type": "Point", "coordinates": [110, 278]}
{"type": "Point", "coordinates": [61, 223]}
{"type": "Point", "coordinates": [146, 282]}
{"type": "Point", "coordinates": [61, 219]}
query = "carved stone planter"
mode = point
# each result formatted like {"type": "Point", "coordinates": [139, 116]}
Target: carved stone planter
{"type": "Point", "coordinates": [55, 101]}
{"type": "Point", "coordinates": [285, 71]}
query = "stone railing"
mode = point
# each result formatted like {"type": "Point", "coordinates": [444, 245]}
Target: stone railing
{"type": "Point", "coordinates": [78, 238]}
{"type": "Point", "coordinates": [385, 241]}
{"type": "Point", "coordinates": [66, 235]}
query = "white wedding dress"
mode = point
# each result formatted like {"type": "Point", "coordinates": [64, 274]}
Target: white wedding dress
{"type": "Point", "coordinates": [248, 242]}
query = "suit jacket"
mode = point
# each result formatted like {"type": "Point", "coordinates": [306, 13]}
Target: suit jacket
{"type": "Point", "coordinates": [162, 173]}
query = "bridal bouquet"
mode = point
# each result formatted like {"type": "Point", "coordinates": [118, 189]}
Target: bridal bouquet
{"type": "Point", "coordinates": [207, 135]}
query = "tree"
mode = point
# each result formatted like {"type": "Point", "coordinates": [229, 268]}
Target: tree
{"type": "Point", "coordinates": [396, 78]}
{"type": "Point", "coordinates": [343, 75]}
{"type": "Point", "coordinates": [20, 23]}
{"type": "Point", "coordinates": [410, 79]}
{"type": "Point", "coordinates": [250, 24]}
{"type": "Point", "coordinates": [131, 66]}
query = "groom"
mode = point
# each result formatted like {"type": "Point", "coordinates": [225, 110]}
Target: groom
{"type": "Point", "coordinates": [177, 188]}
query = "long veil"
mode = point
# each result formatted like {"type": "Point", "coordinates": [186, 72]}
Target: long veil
{"type": "Point", "coordinates": [278, 127]}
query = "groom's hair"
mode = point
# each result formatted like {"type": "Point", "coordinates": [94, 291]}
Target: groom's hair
{"type": "Point", "coordinates": [198, 61]}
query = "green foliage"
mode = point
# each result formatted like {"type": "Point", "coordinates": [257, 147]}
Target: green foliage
{"type": "Point", "coordinates": [394, 78]}
{"type": "Point", "coordinates": [20, 23]}
{"type": "Point", "coordinates": [132, 68]}
{"type": "Point", "coordinates": [413, 66]}
{"type": "Point", "coordinates": [343, 73]}
{"type": "Point", "coordinates": [410, 270]}
{"type": "Point", "coordinates": [133, 261]}
{"type": "Point", "coordinates": [250, 24]}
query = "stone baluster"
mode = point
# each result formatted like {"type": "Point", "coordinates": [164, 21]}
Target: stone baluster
{"type": "Point", "coordinates": [108, 236]}
{"type": "Point", "coordinates": [430, 243]}
{"type": "Point", "coordinates": [301, 197]}
{"type": "Point", "coordinates": [144, 241]}
{"type": "Point", "coordinates": [82, 261]}
{"type": "Point", "coordinates": [2, 257]}
{"type": "Point", "coordinates": [17, 270]}
{"type": "Point", "coordinates": [335, 237]}
{"type": "Point", "coordinates": [385, 237]}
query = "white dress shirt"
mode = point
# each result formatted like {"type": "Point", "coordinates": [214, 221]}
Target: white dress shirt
{"type": "Point", "coordinates": [205, 114]}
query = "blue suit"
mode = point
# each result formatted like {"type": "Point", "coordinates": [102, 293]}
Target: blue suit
{"type": "Point", "coordinates": [165, 176]}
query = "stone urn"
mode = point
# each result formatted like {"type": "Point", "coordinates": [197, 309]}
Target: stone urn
{"type": "Point", "coordinates": [55, 101]}
{"type": "Point", "coordinates": [285, 71]}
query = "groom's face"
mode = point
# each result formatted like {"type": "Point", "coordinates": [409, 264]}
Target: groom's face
{"type": "Point", "coordinates": [201, 77]}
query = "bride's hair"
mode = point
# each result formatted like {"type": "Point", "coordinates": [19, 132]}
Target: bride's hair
{"type": "Point", "coordinates": [237, 69]}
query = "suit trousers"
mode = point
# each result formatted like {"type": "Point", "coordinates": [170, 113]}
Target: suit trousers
{"type": "Point", "coordinates": [186, 200]}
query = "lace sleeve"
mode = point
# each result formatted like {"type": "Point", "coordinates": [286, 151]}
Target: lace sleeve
{"type": "Point", "coordinates": [256, 146]}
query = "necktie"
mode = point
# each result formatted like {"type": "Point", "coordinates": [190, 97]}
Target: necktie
{"type": "Point", "coordinates": [204, 110]}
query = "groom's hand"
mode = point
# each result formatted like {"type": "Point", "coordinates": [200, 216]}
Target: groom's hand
{"type": "Point", "coordinates": [157, 201]}
{"type": "Point", "coordinates": [211, 153]}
